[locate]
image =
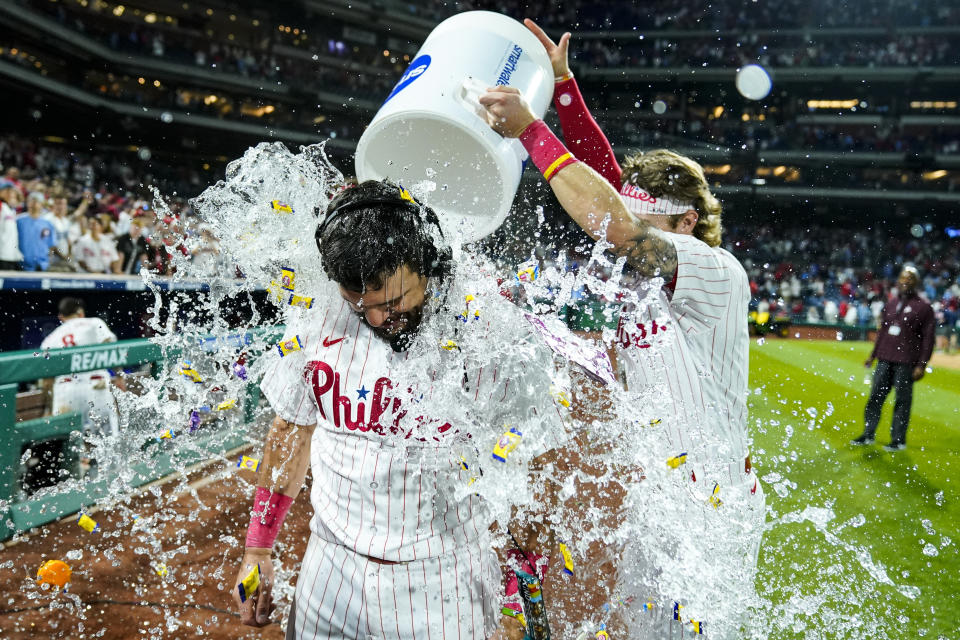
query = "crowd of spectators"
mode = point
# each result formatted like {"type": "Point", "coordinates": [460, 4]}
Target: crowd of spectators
{"type": "Point", "coordinates": [594, 15]}
{"type": "Point", "coordinates": [258, 58]}
{"type": "Point", "coordinates": [57, 214]}
{"type": "Point", "coordinates": [365, 71]}
{"type": "Point", "coordinates": [783, 134]}
{"type": "Point", "coordinates": [770, 52]}
{"type": "Point", "coordinates": [63, 211]}
{"type": "Point", "coordinates": [822, 274]}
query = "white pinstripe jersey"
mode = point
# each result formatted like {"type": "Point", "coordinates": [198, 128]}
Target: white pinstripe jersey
{"type": "Point", "coordinates": [656, 361]}
{"type": "Point", "coordinates": [369, 494]}
{"type": "Point", "coordinates": [80, 332]}
{"type": "Point", "coordinates": [709, 302]}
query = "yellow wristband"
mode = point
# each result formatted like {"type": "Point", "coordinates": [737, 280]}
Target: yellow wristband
{"type": "Point", "coordinates": [567, 76]}
{"type": "Point", "coordinates": [556, 165]}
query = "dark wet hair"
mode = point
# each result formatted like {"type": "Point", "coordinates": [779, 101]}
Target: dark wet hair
{"type": "Point", "coordinates": [372, 230]}
{"type": "Point", "coordinates": [70, 306]}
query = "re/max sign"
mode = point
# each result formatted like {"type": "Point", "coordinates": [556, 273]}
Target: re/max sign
{"type": "Point", "coordinates": [98, 360]}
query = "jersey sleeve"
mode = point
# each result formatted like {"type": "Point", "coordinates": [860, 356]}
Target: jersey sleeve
{"type": "Point", "coordinates": [103, 332]}
{"type": "Point", "coordinates": [582, 134]}
{"type": "Point", "coordinates": [286, 388]}
{"type": "Point", "coordinates": [703, 285]}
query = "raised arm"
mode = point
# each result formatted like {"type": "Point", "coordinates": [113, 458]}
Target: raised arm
{"type": "Point", "coordinates": [585, 195]}
{"type": "Point", "coordinates": [581, 132]}
{"type": "Point", "coordinates": [283, 470]}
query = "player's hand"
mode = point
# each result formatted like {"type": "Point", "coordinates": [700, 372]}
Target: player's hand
{"type": "Point", "coordinates": [918, 372]}
{"type": "Point", "coordinates": [507, 112]}
{"type": "Point", "coordinates": [509, 629]}
{"type": "Point", "coordinates": [256, 611]}
{"type": "Point", "coordinates": [868, 362]}
{"type": "Point", "coordinates": [557, 52]}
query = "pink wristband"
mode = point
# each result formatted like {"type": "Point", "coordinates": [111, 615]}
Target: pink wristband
{"type": "Point", "coordinates": [545, 149]}
{"type": "Point", "coordinates": [269, 511]}
{"type": "Point", "coordinates": [523, 561]}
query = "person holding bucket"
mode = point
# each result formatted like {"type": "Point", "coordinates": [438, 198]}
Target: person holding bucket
{"type": "Point", "coordinates": [667, 226]}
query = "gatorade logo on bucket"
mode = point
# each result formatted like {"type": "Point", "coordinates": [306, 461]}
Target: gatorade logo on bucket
{"type": "Point", "coordinates": [414, 71]}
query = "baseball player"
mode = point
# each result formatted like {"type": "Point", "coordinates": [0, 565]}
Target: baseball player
{"type": "Point", "coordinates": [87, 393]}
{"type": "Point", "coordinates": [666, 225]}
{"type": "Point", "coordinates": [380, 392]}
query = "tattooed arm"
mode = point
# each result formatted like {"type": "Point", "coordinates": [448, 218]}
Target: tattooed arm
{"type": "Point", "coordinates": [590, 200]}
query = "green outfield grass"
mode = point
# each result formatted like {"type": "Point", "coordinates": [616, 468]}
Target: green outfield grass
{"type": "Point", "coordinates": [888, 505]}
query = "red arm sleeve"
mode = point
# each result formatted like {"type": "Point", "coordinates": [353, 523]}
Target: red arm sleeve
{"type": "Point", "coordinates": [582, 133]}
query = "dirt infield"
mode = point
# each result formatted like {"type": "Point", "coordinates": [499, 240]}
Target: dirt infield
{"type": "Point", "coordinates": [951, 361]}
{"type": "Point", "coordinates": [122, 595]}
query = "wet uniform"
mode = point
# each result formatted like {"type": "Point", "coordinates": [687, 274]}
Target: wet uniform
{"type": "Point", "coordinates": [705, 369]}
{"type": "Point", "coordinates": [392, 554]}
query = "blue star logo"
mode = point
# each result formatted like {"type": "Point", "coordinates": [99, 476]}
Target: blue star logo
{"type": "Point", "coordinates": [362, 393]}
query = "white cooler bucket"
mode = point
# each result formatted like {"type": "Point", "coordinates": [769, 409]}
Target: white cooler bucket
{"type": "Point", "coordinates": [430, 127]}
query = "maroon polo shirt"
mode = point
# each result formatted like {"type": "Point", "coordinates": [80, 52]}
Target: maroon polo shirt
{"type": "Point", "coordinates": [906, 332]}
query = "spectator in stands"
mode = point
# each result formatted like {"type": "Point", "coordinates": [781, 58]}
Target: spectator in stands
{"type": "Point", "coordinates": [96, 252]}
{"type": "Point", "coordinates": [903, 347]}
{"type": "Point", "coordinates": [13, 175]}
{"type": "Point", "coordinates": [61, 220]}
{"type": "Point", "coordinates": [38, 237]}
{"type": "Point", "coordinates": [133, 248]}
{"type": "Point", "coordinates": [10, 255]}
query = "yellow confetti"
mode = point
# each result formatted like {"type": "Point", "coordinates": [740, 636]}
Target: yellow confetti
{"type": "Point", "coordinates": [289, 346]}
{"type": "Point", "coordinates": [567, 559]}
{"type": "Point", "coordinates": [405, 195]}
{"type": "Point", "coordinates": [449, 345]}
{"type": "Point", "coordinates": [246, 462]}
{"type": "Point", "coordinates": [304, 302]}
{"type": "Point", "coordinates": [250, 584]}
{"type": "Point", "coordinates": [88, 523]}
{"type": "Point", "coordinates": [188, 371]}
{"type": "Point", "coordinates": [506, 444]}
{"type": "Point", "coordinates": [281, 207]}
{"type": "Point", "coordinates": [160, 569]}
{"type": "Point", "coordinates": [677, 460]}
{"type": "Point", "coordinates": [227, 404]}
{"type": "Point", "coordinates": [714, 499]}
{"type": "Point", "coordinates": [560, 396]}
{"type": "Point", "coordinates": [287, 277]}
{"type": "Point", "coordinates": [528, 271]}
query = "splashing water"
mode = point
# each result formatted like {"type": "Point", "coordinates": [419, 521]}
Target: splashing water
{"type": "Point", "coordinates": [638, 530]}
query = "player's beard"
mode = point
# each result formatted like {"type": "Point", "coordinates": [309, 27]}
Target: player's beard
{"type": "Point", "coordinates": [402, 328]}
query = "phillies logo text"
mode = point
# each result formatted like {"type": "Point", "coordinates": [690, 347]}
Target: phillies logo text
{"type": "Point", "coordinates": [353, 414]}
{"type": "Point", "coordinates": [635, 334]}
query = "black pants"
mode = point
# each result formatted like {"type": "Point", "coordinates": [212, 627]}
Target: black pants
{"type": "Point", "coordinates": [889, 375]}
{"type": "Point", "coordinates": [7, 265]}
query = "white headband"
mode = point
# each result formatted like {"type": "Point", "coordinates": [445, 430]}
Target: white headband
{"type": "Point", "coordinates": [641, 202]}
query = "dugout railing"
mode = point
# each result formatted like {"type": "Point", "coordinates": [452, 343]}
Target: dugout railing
{"type": "Point", "coordinates": [20, 512]}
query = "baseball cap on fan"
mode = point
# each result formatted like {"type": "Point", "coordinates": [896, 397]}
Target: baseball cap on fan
{"type": "Point", "coordinates": [7, 184]}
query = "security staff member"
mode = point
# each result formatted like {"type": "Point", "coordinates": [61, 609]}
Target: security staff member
{"type": "Point", "coordinates": [903, 348]}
